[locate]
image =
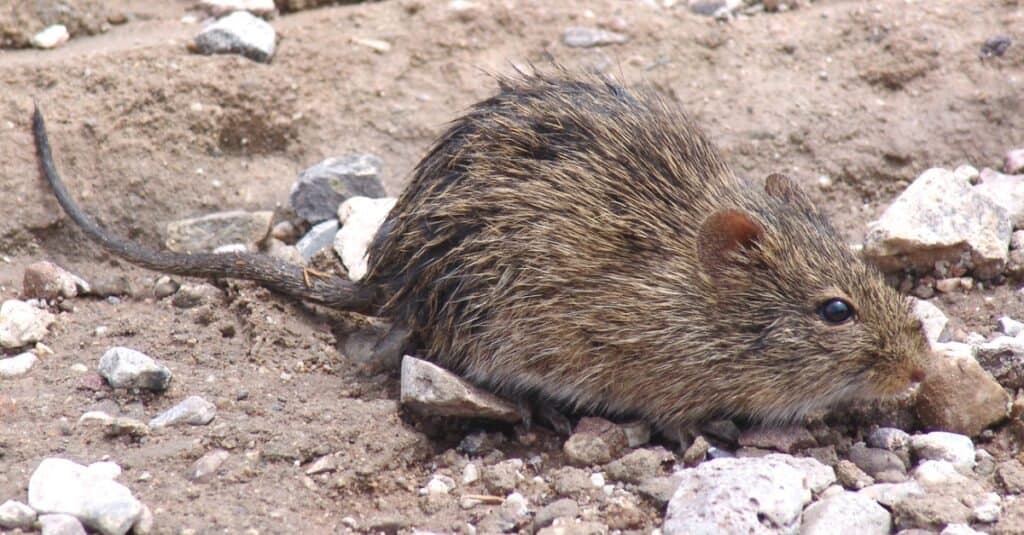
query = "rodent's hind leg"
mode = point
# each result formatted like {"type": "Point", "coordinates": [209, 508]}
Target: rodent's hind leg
{"type": "Point", "coordinates": [387, 352]}
{"type": "Point", "coordinates": [546, 414]}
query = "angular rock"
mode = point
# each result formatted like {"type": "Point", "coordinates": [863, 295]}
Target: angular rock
{"type": "Point", "coordinates": [584, 449]}
{"type": "Point", "coordinates": [51, 37]}
{"type": "Point", "coordinates": [584, 37]}
{"type": "Point", "coordinates": [848, 512]}
{"type": "Point", "coordinates": [888, 438]}
{"type": "Point", "coordinates": [1013, 162]}
{"type": "Point", "coordinates": [932, 318]}
{"type": "Point", "coordinates": [22, 324]}
{"type": "Point", "coordinates": [942, 446]}
{"type": "Point", "coordinates": [938, 218]}
{"type": "Point", "coordinates": [360, 218]}
{"type": "Point", "coordinates": [433, 390]}
{"type": "Point", "coordinates": [724, 430]}
{"type": "Point", "coordinates": [851, 476]}
{"type": "Point", "coordinates": [194, 410]}
{"type": "Point", "coordinates": [239, 33]}
{"type": "Point", "coordinates": [1006, 191]}
{"type": "Point", "coordinates": [784, 439]}
{"type": "Point", "coordinates": [206, 466]}
{"type": "Point", "coordinates": [320, 237]}
{"type": "Point", "coordinates": [16, 515]}
{"type": "Point", "coordinates": [208, 232]}
{"type": "Point", "coordinates": [959, 396]}
{"type": "Point", "coordinates": [17, 365]}
{"type": "Point", "coordinates": [697, 452]}
{"type": "Point", "coordinates": [1003, 357]}
{"type": "Point", "coordinates": [640, 465]}
{"type": "Point", "coordinates": [88, 493]}
{"type": "Point", "coordinates": [126, 368]}
{"type": "Point", "coordinates": [612, 434]}
{"type": "Point", "coordinates": [60, 524]}
{"type": "Point", "coordinates": [638, 433]}
{"type": "Point", "coordinates": [320, 190]}
{"type": "Point", "coordinates": [752, 495]}
{"type": "Point", "coordinates": [503, 477]}
{"type": "Point", "coordinates": [46, 280]}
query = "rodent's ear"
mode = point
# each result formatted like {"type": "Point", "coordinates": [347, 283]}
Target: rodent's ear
{"type": "Point", "coordinates": [786, 189]}
{"type": "Point", "coordinates": [723, 232]}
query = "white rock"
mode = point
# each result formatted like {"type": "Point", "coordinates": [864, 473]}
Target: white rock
{"type": "Point", "coordinates": [17, 365]}
{"type": "Point", "coordinates": [516, 504]}
{"type": "Point", "coordinates": [360, 218]}
{"type": "Point", "coordinates": [239, 33]}
{"type": "Point", "coordinates": [848, 512]}
{"type": "Point", "coordinates": [1013, 162]}
{"type": "Point", "coordinates": [942, 446]}
{"type": "Point", "coordinates": [438, 485]}
{"type": "Point", "coordinates": [90, 495]}
{"type": "Point", "coordinates": [936, 474]}
{"type": "Point", "coordinates": [126, 368]}
{"type": "Point", "coordinates": [932, 317]}
{"type": "Point", "coordinates": [889, 494]}
{"type": "Point", "coordinates": [321, 189]}
{"type": "Point", "coordinates": [960, 529]}
{"type": "Point", "coordinates": [22, 324]}
{"type": "Point", "coordinates": [742, 495]}
{"type": "Point", "coordinates": [1006, 191]}
{"type": "Point", "coordinates": [60, 524]}
{"type": "Point", "coordinates": [16, 515]}
{"type": "Point", "coordinates": [585, 37]}
{"type": "Point", "coordinates": [988, 509]}
{"type": "Point", "coordinates": [217, 8]}
{"type": "Point", "coordinates": [51, 37]}
{"type": "Point", "coordinates": [470, 473]}
{"type": "Point", "coordinates": [936, 218]}
{"type": "Point", "coordinates": [1010, 326]}
{"type": "Point", "coordinates": [433, 390]}
{"type": "Point", "coordinates": [194, 410]}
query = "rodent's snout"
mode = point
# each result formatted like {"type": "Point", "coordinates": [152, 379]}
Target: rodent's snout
{"type": "Point", "coordinates": [918, 375]}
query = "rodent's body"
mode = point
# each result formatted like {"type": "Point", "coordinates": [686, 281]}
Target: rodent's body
{"type": "Point", "coordinates": [576, 241]}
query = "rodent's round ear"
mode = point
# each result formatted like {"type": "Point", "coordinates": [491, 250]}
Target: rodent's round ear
{"type": "Point", "coordinates": [723, 232]}
{"type": "Point", "coordinates": [786, 189]}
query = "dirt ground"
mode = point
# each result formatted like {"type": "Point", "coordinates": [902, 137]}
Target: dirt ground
{"type": "Point", "coordinates": [868, 94]}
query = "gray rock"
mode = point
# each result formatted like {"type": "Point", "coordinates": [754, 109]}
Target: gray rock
{"type": "Point", "coordinates": [937, 218]}
{"type": "Point", "coordinates": [585, 37]}
{"type": "Point", "coordinates": [111, 284]}
{"type": "Point", "coordinates": [360, 218]}
{"type": "Point", "coordinates": [557, 509]}
{"type": "Point", "coordinates": [1013, 162]}
{"type": "Point", "coordinates": [637, 433]}
{"type": "Point", "coordinates": [321, 189]}
{"type": "Point", "coordinates": [848, 512]}
{"type": "Point", "coordinates": [16, 515]}
{"type": "Point", "coordinates": [958, 395]}
{"type": "Point", "coordinates": [191, 295]}
{"type": "Point", "coordinates": [1010, 475]}
{"type": "Point", "coordinates": [724, 430]}
{"type": "Point", "coordinates": [851, 476]}
{"type": "Point", "coordinates": [502, 478]}
{"type": "Point", "coordinates": [17, 365]}
{"type": "Point", "coordinates": [942, 446]}
{"type": "Point", "coordinates": [714, 8]}
{"type": "Point", "coordinates": [784, 439]}
{"type": "Point", "coordinates": [320, 237]}
{"type": "Point", "coordinates": [611, 433]}
{"type": "Point", "coordinates": [433, 390]}
{"type": "Point", "coordinates": [584, 449]}
{"type": "Point", "coordinates": [1006, 191]}
{"type": "Point", "coordinates": [51, 37]}
{"type": "Point", "coordinates": [932, 318]}
{"type": "Point", "coordinates": [888, 438]}
{"type": "Point", "coordinates": [89, 493]}
{"type": "Point", "coordinates": [889, 494]}
{"type": "Point", "coordinates": [22, 324]}
{"type": "Point", "coordinates": [1003, 357]}
{"type": "Point", "coordinates": [876, 461]}
{"type": "Point", "coordinates": [987, 508]}
{"type": "Point", "coordinates": [659, 489]}
{"type": "Point", "coordinates": [208, 232]}
{"type": "Point", "coordinates": [640, 465]}
{"type": "Point", "coordinates": [126, 368]}
{"type": "Point", "coordinates": [46, 280]}
{"type": "Point", "coordinates": [206, 466]}
{"type": "Point", "coordinates": [194, 410]}
{"type": "Point", "coordinates": [60, 524]}
{"type": "Point", "coordinates": [930, 512]}
{"type": "Point", "coordinates": [239, 33]}
{"type": "Point", "coordinates": [752, 495]}
{"type": "Point", "coordinates": [1008, 325]}
{"type": "Point", "coordinates": [571, 481]}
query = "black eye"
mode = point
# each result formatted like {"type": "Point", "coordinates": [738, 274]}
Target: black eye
{"type": "Point", "coordinates": [836, 311]}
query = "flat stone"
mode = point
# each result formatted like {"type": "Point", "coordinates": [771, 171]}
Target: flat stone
{"type": "Point", "coordinates": [17, 365]}
{"type": "Point", "coordinates": [194, 410]}
{"type": "Point", "coordinates": [585, 37]}
{"type": "Point", "coordinates": [752, 495]}
{"type": "Point", "coordinates": [22, 324]}
{"type": "Point", "coordinates": [659, 489]}
{"type": "Point", "coordinates": [941, 446]}
{"type": "Point", "coordinates": [433, 390]}
{"type": "Point", "coordinates": [206, 466]}
{"type": "Point", "coordinates": [88, 493]}
{"type": "Point", "coordinates": [1003, 357]}
{"type": "Point", "coordinates": [127, 368]}
{"type": "Point", "coordinates": [208, 232]}
{"type": "Point", "coordinates": [16, 515]}
{"type": "Point", "coordinates": [51, 37]}
{"type": "Point", "coordinates": [239, 33]}
{"type": "Point", "coordinates": [932, 318]}
{"type": "Point", "coordinates": [60, 524]}
{"type": "Point", "coordinates": [360, 219]}
{"type": "Point", "coordinates": [1006, 191]}
{"type": "Point", "coordinates": [320, 189]}
{"type": "Point", "coordinates": [930, 512]}
{"type": "Point", "coordinates": [889, 494]}
{"type": "Point", "coordinates": [847, 512]}
{"type": "Point", "coordinates": [46, 280]}
{"type": "Point", "coordinates": [959, 396]}
{"type": "Point", "coordinates": [113, 426]}
{"type": "Point", "coordinates": [937, 218]}
{"type": "Point", "coordinates": [320, 237]}
{"type": "Point", "coordinates": [784, 439]}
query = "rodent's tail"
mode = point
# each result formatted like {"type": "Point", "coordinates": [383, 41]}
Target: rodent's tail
{"type": "Point", "coordinates": [268, 271]}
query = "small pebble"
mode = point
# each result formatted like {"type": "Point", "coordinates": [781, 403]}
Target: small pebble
{"type": "Point", "coordinates": [22, 324]}
{"type": "Point", "coordinates": [194, 410]}
{"type": "Point", "coordinates": [17, 365]}
{"type": "Point", "coordinates": [206, 466]}
{"type": "Point", "coordinates": [1010, 326]}
{"type": "Point", "coordinates": [987, 509]}
{"type": "Point", "coordinates": [207, 233]}
{"type": "Point", "coordinates": [320, 237]}
{"type": "Point", "coordinates": [563, 508]}
{"type": "Point", "coordinates": [470, 473]}
{"type": "Point", "coordinates": [995, 46]}
{"type": "Point", "coordinates": [126, 368]}
{"type": "Point", "coordinates": [851, 476]}
{"type": "Point", "coordinates": [1013, 162]}
{"type": "Point", "coordinates": [60, 524]}
{"type": "Point", "coordinates": [888, 438]}
{"type": "Point", "coordinates": [51, 37]}
{"type": "Point", "coordinates": [16, 515]}
{"type": "Point", "coordinates": [164, 287]}
{"type": "Point", "coordinates": [638, 433]}
{"type": "Point", "coordinates": [584, 37]}
{"type": "Point", "coordinates": [697, 452]}
{"type": "Point", "coordinates": [585, 449]}
{"type": "Point", "coordinates": [239, 33]}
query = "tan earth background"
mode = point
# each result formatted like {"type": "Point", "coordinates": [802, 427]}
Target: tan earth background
{"type": "Point", "coordinates": [865, 94]}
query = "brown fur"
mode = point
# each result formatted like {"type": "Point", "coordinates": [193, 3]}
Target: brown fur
{"type": "Point", "coordinates": [573, 239]}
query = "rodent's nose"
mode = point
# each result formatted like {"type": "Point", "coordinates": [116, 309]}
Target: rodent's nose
{"type": "Point", "coordinates": [917, 375]}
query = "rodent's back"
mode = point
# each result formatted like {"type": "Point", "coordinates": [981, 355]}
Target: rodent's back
{"type": "Point", "coordinates": [580, 241]}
